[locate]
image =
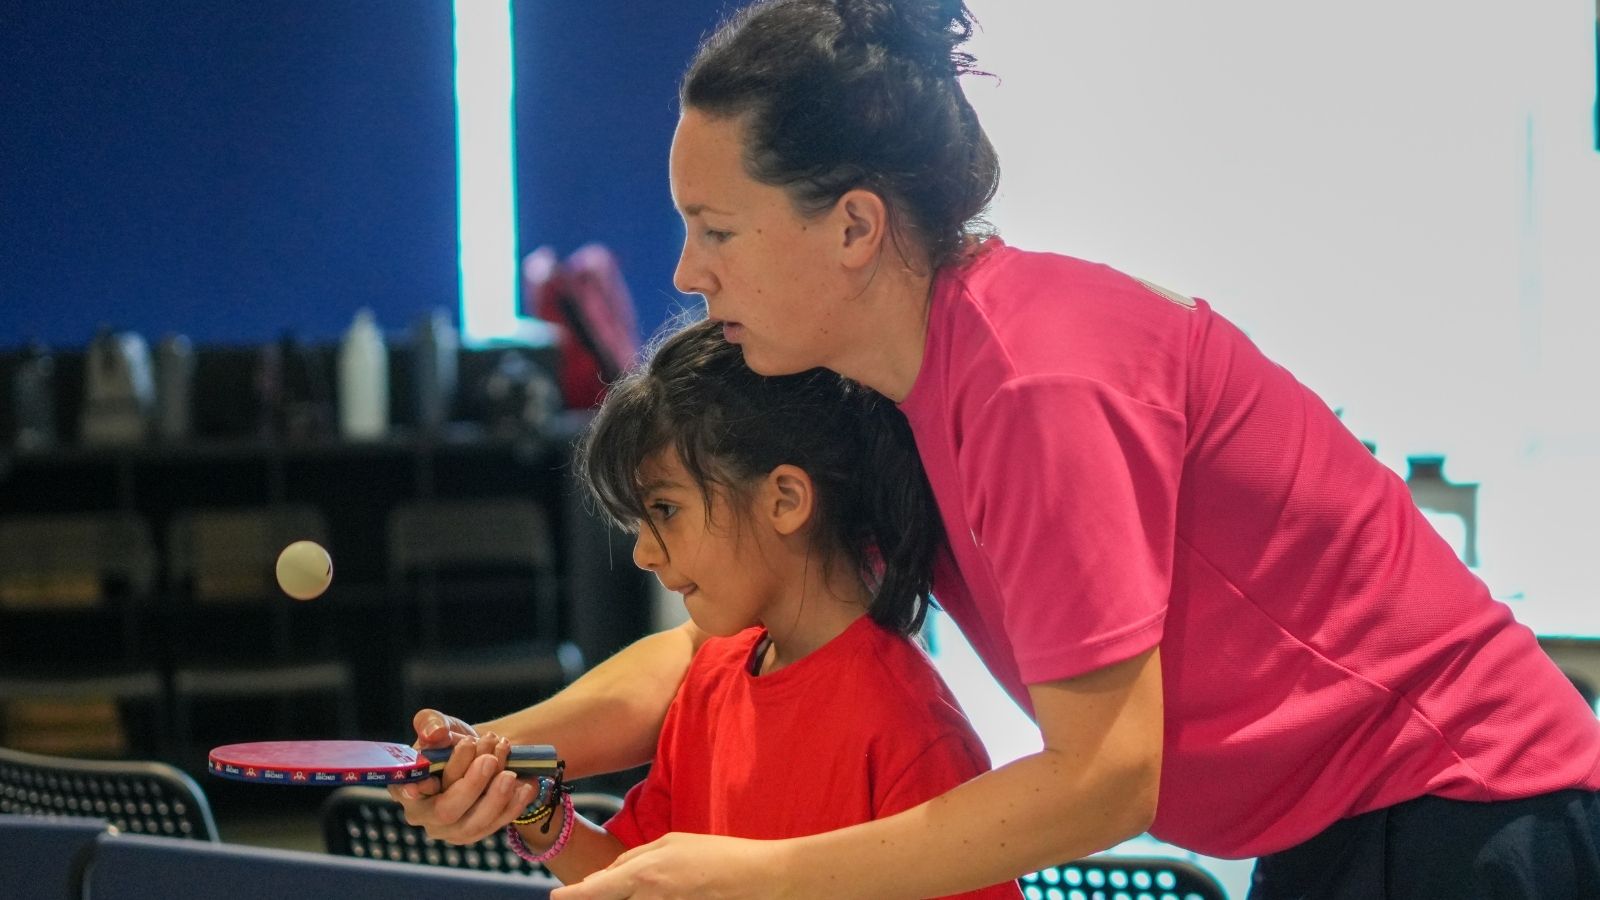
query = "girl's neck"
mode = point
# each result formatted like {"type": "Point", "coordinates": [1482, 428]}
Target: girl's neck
{"type": "Point", "coordinates": [817, 611]}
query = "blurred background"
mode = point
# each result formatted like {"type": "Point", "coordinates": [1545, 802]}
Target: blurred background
{"type": "Point", "coordinates": [1399, 203]}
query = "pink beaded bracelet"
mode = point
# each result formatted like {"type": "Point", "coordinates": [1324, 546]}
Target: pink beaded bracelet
{"type": "Point", "coordinates": [515, 842]}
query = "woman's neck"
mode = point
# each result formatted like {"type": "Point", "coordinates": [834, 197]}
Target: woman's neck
{"type": "Point", "coordinates": [890, 324]}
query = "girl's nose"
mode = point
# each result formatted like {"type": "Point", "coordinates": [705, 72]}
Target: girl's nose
{"type": "Point", "coordinates": [647, 552]}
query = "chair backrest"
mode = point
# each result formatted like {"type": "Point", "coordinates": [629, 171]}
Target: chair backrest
{"type": "Point", "coordinates": [131, 867]}
{"type": "Point", "coordinates": [224, 560]}
{"type": "Point", "coordinates": [1130, 877]}
{"type": "Point", "coordinates": [65, 570]}
{"type": "Point", "coordinates": [364, 822]}
{"type": "Point", "coordinates": [480, 551]}
{"type": "Point", "coordinates": [44, 858]}
{"type": "Point", "coordinates": [230, 553]}
{"type": "Point", "coordinates": [490, 532]}
{"type": "Point", "coordinates": [137, 797]}
{"type": "Point", "coordinates": [69, 559]}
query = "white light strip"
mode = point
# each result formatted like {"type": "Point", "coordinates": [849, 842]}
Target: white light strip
{"type": "Point", "coordinates": [486, 193]}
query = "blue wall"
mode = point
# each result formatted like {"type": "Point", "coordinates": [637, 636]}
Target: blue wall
{"type": "Point", "coordinates": [230, 171]}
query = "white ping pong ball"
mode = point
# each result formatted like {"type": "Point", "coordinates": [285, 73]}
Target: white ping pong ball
{"type": "Point", "coordinates": [304, 570]}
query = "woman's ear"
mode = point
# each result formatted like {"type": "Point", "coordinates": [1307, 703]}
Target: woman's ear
{"type": "Point", "coordinates": [788, 499]}
{"type": "Point", "coordinates": [865, 221]}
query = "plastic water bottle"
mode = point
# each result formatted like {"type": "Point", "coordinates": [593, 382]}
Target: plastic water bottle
{"type": "Point", "coordinates": [363, 381]}
{"type": "Point", "coordinates": [435, 366]}
{"type": "Point", "coordinates": [174, 387]}
{"type": "Point", "coordinates": [33, 393]}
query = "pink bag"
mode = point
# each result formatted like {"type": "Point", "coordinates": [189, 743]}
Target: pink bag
{"type": "Point", "coordinates": [588, 302]}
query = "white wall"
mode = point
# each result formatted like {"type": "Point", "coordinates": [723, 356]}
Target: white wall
{"type": "Point", "coordinates": [1398, 201]}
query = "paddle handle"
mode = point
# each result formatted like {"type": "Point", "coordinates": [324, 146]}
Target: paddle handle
{"type": "Point", "coordinates": [524, 759]}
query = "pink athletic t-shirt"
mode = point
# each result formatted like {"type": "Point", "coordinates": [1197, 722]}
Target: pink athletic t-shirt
{"type": "Point", "coordinates": [1119, 467]}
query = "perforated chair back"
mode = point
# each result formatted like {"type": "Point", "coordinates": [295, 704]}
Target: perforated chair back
{"type": "Point", "coordinates": [364, 822]}
{"type": "Point", "coordinates": [1122, 878]}
{"type": "Point", "coordinates": [137, 797]}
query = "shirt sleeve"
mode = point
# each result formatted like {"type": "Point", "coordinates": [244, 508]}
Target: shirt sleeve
{"type": "Point", "coordinates": [1071, 488]}
{"type": "Point", "coordinates": [646, 812]}
{"type": "Point", "coordinates": [947, 762]}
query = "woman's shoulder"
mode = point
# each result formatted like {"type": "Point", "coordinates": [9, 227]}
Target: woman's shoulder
{"type": "Point", "coordinates": [1010, 315]}
{"type": "Point", "coordinates": [995, 265]}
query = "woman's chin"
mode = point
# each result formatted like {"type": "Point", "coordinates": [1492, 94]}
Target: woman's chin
{"type": "Point", "coordinates": [761, 364]}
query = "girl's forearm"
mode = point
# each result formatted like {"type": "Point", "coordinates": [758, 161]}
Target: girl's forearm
{"type": "Point", "coordinates": [589, 848]}
{"type": "Point", "coordinates": [610, 718]}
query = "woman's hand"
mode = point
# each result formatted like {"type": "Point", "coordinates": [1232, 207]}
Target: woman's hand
{"type": "Point", "coordinates": [474, 795]}
{"type": "Point", "coordinates": [685, 866]}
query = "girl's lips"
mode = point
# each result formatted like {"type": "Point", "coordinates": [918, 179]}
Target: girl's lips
{"type": "Point", "coordinates": [732, 332]}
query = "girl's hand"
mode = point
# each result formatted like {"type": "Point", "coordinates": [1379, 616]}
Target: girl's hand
{"type": "Point", "coordinates": [689, 867]}
{"type": "Point", "coordinates": [474, 795]}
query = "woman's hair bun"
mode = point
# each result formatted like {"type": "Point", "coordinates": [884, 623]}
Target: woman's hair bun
{"type": "Point", "coordinates": [926, 31]}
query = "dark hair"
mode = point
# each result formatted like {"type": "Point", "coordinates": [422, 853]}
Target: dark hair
{"type": "Point", "coordinates": [845, 94]}
{"type": "Point", "coordinates": [730, 427]}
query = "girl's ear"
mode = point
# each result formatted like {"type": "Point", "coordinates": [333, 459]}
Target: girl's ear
{"type": "Point", "coordinates": [787, 499]}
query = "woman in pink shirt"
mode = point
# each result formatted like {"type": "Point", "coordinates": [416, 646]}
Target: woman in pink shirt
{"type": "Point", "coordinates": [1232, 626]}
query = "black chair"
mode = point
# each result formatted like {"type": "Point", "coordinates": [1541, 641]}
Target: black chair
{"type": "Point", "coordinates": [137, 797]}
{"type": "Point", "coordinates": [132, 867]}
{"type": "Point", "coordinates": [1122, 878]}
{"type": "Point", "coordinates": [481, 614]}
{"type": "Point", "coordinates": [74, 622]}
{"type": "Point", "coordinates": [234, 635]}
{"type": "Point", "coordinates": [1432, 492]}
{"type": "Point", "coordinates": [44, 858]}
{"type": "Point", "coordinates": [364, 822]}
{"type": "Point", "coordinates": [1584, 686]}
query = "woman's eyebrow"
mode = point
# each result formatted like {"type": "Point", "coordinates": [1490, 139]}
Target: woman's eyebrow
{"type": "Point", "coordinates": [695, 209]}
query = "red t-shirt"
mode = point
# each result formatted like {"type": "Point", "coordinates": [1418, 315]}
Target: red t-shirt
{"type": "Point", "coordinates": [860, 729]}
{"type": "Point", "coordinates": [1119, 467]}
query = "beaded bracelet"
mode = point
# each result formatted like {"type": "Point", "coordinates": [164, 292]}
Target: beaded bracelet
{"type": "Point", "coordinates": [543, 803]}
{"type": "Point", "coordinates": [515, 842]}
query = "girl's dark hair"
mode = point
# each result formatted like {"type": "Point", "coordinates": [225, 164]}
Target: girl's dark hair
{"type": "Point", "coordinates": [845, 94]}
{"type": "Point", "coordinates": [730, 427]}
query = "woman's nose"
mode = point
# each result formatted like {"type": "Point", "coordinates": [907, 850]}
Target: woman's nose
{"type": "Point", "coordinates": [691, 277]}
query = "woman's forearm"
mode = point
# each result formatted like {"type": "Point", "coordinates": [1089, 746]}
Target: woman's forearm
{"type": "Point", "coordinates": [610, 718]}
{"type": "Point", "coordinates": [1025, 816]}
{"type": "Point", "coordinates": [1094, 785]}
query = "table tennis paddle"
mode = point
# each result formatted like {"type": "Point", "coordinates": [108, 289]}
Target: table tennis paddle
{"type": "Point", "coordinates": [355, 762]}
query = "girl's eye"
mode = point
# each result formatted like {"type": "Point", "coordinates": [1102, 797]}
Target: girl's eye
{"type": "Point", "coordinates": [718, 237]}
{"type": "Point", "coordinates": [662, 510]}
